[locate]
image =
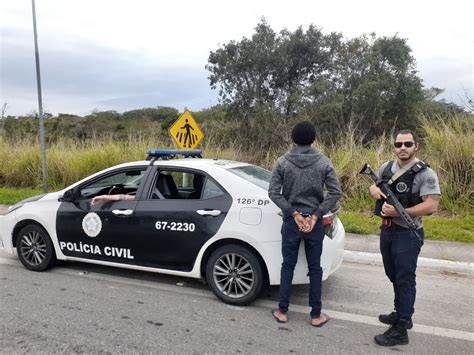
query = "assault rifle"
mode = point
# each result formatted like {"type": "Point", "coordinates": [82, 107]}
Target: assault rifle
{"type": "Point", "coordinates": [391, 199]}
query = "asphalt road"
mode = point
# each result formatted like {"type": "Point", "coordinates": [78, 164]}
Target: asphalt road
{"type": "Point", "coordinates": [81, 308]}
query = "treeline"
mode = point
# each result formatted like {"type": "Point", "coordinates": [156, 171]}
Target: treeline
{"type": "Point", "coordinates": [267, 130]}
{"type": "Point", "coordinates": [94, 126]}
{"type": "Point", "coordinates": [150, 123]}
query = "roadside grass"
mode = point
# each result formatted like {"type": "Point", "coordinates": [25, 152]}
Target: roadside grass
{"type": "Point", "coordinates": [359, 223]}
{"type": "Point", "coordinates": [10, 196]}
{"type": "Point", "coordinates": [439, 227]}
{"type": "Point", "coordinates": [452, 228]}
{"type": "Point", "coordinates": [448, 147]}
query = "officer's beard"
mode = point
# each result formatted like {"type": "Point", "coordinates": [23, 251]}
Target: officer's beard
{"type": "Point", "coordinates": [407, 156]}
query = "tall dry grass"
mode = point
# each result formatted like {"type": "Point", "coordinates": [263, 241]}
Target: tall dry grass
{"type": "Point", "coordinates": [68, 160]}
{"type": "Point", "coordinates": [448, 146]}
{"type": "Point", "coordinates": [451, 151]}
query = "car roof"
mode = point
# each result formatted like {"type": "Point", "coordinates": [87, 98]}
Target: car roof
{"type": "Point", "coordinates": [207, 165]}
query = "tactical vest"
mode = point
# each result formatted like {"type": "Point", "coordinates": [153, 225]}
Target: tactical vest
{"type": "Point", "coordinates": [402, 187]}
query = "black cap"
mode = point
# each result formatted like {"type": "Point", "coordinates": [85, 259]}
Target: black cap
{"type": "Point", "coordinates": [303, 133]}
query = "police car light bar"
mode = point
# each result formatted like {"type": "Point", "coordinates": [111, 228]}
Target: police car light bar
{"type": "Point", "coordinates": [166, 154]}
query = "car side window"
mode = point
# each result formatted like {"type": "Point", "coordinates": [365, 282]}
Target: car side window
{"type": "Point", "coordinates": [184, 185]}
{"type": "Point", "coordinates": [123, 182]}
{"type": "Point", "coordinates": [211, 190]}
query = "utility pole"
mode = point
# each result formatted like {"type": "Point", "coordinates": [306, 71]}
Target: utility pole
{"type": "Point", "coordinates": [40, 103]}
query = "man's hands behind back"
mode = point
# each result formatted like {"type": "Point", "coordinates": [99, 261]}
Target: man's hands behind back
{"type": "Point", "coordinates": [305, 224]}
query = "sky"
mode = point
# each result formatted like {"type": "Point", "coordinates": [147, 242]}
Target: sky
{"type": "Point", "coordinates": [122, 55]}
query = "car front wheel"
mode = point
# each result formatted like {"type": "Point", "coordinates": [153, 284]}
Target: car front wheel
{"type": "Point", "coordinates": [235, 275]}
{"type": "Point", "coordinates": [35, 249]}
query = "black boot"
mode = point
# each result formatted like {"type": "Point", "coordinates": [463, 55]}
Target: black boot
{"type": "Point", "coordinates": [392, 318]}
{"type": "Point", "coordinates": [396, 335]}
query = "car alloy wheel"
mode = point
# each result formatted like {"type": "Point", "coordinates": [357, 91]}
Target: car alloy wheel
{"type": "Point", "coordinates": [35, 249]}
{"type": "Point", "coordinates": [234, 274]}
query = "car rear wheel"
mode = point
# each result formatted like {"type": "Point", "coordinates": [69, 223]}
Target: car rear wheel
{"type": "Point", "coordinates": [235, 275]}
{"type": "Point", "coordinates": [35, 249]}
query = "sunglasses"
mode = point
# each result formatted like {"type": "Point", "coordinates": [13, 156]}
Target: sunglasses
{"type": "Point", "coordinates": [406, 144]}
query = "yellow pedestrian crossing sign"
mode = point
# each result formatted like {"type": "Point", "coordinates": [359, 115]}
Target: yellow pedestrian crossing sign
{"type": "Point", "coordinates": [185, 131]}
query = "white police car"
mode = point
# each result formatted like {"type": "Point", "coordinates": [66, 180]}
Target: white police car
{"type": "Point", "coordinates": [199, 218]}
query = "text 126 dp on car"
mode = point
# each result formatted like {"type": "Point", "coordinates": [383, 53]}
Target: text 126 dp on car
{"type": "Point", "coordinates": [200, 218]}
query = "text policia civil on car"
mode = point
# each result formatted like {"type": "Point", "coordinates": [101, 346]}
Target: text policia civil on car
{"type": "Point", "coordinates": [207, 219]}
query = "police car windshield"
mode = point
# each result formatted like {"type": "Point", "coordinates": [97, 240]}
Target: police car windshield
{"type": "Point", "coordinates": [254, 174]}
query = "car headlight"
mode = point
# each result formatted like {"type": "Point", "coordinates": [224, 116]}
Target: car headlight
{"type": "Point", "coordinates": [21, 203]}
{"type": "Point", "coordinates": [14, 207]}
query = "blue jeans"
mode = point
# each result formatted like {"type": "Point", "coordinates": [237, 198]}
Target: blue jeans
{"type": "Point", "coordinates": [291, 239]}
{"type": "Point", "coordinates": [400, 249]}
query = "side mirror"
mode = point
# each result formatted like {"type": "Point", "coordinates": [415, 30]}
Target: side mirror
{"type": "Point", "coordinates": [68, 196]}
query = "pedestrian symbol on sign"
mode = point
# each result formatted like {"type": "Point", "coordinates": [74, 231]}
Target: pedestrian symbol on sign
{"type": "Point", "coordinates": [189, 138]}
{"type": "Point", "coordinates": [185, 131]}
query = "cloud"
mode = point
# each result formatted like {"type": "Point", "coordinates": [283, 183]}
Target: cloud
{"type": "Point", "coordinates": [118, 54]}
{"type": "Point", "coordinates": [100, 77]}
{"type": "Point", "coordinates": [455, 76]}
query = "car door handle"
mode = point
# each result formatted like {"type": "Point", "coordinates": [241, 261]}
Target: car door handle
{"type": "Point", "coordinates": [213, 213]}
{"type": "Point", "coordinates": [122, 212]}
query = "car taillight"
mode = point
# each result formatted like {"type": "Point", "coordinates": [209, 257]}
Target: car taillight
{"type": "Point", "coordinates": [329, 225]}
{"type": "Point", "coordinates": [328, 219]}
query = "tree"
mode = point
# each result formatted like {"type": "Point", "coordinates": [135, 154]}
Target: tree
{"type": "Point", "coordinates": [269, 73]}
{"type": "Point", "coordinates": [374, 86]}
{"type": "Point", "coordinates": [243, 70]}
{"type": "Point", "coordinates": [271, 70]}
{"type": "Point", "coordinates": [3, 116]}
{"type": "Point", "coordinates": [159, 113]}
{"type": "Point", "coordinates": [365, 82]}
{"type": "Point", "coordinates": [438, 108]}
{"type": "Point", "coordinates": [4, 110]}
{"type": "Point", "coordinates": [468, 101]}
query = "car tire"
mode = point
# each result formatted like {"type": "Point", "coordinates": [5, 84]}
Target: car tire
{"type": "Point", "coordinates": [35, 249]}
{"type": "Point", "coordinates": [235, 275]}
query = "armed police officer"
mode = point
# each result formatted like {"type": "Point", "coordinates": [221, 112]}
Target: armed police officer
{"type": "Point", "coordinates": [416, 186]}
